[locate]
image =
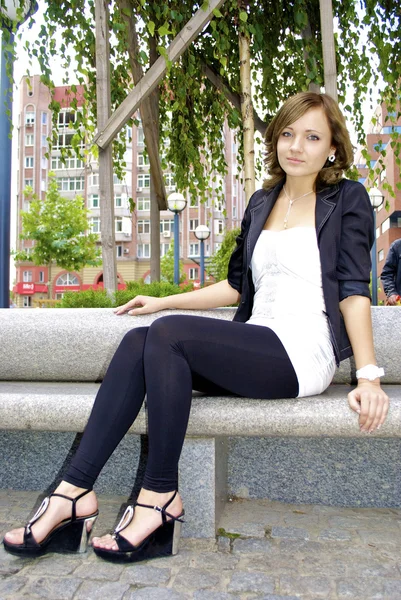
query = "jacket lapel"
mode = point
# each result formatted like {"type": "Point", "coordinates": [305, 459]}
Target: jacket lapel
{"type": "Point", "coordinates": [259, 214]}
{"type": "Point", "coordinates": [325, 204]}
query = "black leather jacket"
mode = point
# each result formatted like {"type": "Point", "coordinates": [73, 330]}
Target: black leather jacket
{"type": "Point", "coordinates": [391, 274]}
{"type": "Point", "coordinates": [344, 229]}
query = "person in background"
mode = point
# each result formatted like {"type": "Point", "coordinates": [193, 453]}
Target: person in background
{"type": "Point", "coordinates": [391, 274]}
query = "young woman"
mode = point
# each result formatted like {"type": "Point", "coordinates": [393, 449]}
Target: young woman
{"type": "Point", "coordinates": [300, 273]}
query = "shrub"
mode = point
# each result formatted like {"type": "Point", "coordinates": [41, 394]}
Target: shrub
{"type": "Point", "coordinates": [86, 299]}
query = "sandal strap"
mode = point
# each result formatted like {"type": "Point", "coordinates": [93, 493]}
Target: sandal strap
{"type": "Point", "coordinates": [73, 500]}
{"type": "Point", "coordinates": [162, 510]}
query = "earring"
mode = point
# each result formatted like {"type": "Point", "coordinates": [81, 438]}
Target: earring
{"type": "Point", "coordinates": [331, 158]}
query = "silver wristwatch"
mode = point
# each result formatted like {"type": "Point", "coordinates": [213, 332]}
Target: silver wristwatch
{"type": "Point", "coordinates": [370, 372]}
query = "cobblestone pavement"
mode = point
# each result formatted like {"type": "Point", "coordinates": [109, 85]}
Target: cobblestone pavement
{"type": "Point", "coordinates": [265, 550]}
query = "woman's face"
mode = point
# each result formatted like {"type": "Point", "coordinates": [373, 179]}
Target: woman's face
{"type": "Point", "coordinates": [304, 146]}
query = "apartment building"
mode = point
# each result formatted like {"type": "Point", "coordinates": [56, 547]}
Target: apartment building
{"type": "Point", "coordinates": [79, 176]}
{"type": "Point", "coordinates": [379, 143]}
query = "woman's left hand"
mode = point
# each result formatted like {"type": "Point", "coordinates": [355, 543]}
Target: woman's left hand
{"type": "Point", "coordinates": [371, 403]}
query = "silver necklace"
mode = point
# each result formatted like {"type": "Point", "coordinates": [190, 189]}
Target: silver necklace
{"type": "Point", "coordinates": [291, 202]}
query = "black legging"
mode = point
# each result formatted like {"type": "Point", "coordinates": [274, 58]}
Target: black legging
{"type": "Point", "coordinates": [166, 361]}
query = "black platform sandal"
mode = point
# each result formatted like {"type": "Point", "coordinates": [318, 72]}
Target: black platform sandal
{"type": "Point", "coordinates": [71, 535]}
{"type": "Point", "coordinates": [161, 542]}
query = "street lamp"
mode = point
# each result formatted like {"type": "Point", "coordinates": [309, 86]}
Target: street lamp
{"type": "Point", "coordinates": [202, 232]}
{"type": "Point", "coordinates": [376, 200]}
{"type": "Point", "coordinates": [176, 203]}
{"type": "Point", "coordinates": [12, 14]}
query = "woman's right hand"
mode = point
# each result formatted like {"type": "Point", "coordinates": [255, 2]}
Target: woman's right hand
{"type": "Point", "coordinates": [141, 305]}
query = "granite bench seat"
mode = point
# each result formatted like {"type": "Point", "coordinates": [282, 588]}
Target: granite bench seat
{"type": "Point", "coordinates": [51, 363]}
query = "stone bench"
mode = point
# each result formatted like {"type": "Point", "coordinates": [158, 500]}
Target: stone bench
{"type": "Point", "coordinates": [306, 450]}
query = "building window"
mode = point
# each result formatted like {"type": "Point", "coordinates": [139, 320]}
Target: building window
{"type": "Point", "coordinates": [141, 137]}
{"type": "Point", "coordinates": [385, 225]}
{"type": "Point", "coordinates": [94, 201]}
{"type": "Point", "coordinates": [118, 201]}
{"type": "Point", "coordinates": [119, 250]}
{"type": "Point", "coordinates": [93, 180]}
{"type": "Point", "coordinates": [194, 273]}
{"type": "Point", "coordinates": [234, 212]}
{"type": "Point", "coordinates": [64, 139]}
{"type": "Point", "coordinates": [167, 225]}
{"type": "Point", "coordinates": [217, 246]}
{"type": "Point", "coordinates": [169, 180]}
{"type": "Point", "coordinates": [71, 184]}
{"type": "Point", "coordinates": [95, 224]}
{"type": "Point", "coordinates": [193, 224]}
{"type": "Point", "coordinates": [29, 118]}
{"type": "Point", "coordinates": [218, 226]}
{"type": "Point", "coordinates": [41, 276]}
{"type": "Point", "coordinates": [59, 295]}
{"type": "Point", "coordinates": [71, 162]}
{"type": "Point", "coordinates": [44, 118]}
{"type": "Point", "coordinates": [67, 279]}
{"type": "Point", "coordinates": [27, 276]}
{"type": "Point", "coordinates": [143, 181]}
{"type": "Point", "coordinates": [27, 301]}
{"type": "Point", "coordinates": [65, 117]}
{"type": "Point", "coordinates": [44, 162]}
{"type": "Point", "coordinates": [143, 251]}
{"type": "Point", "coordinates": [29, 138]}
{"type": "Point", "coordinates": [28, 162]}
{"type": "Point", "coordinates": [44, 142]}
{"type": "Point", "coordinates": [143, 226]}
{"type": "Point", "coordinates": [143, 160]}
{"type": "Point", "coordinates": [118, 224]}
{"type": "Point", "coordinates": [164, 249]}
{"type": "Point", "coordinates": [143, 204]}
{"type": "Point", "coordinates": [380, 255]}
{"type": "Point", "coordinates": [218, 205]}
{"type": "Point", "coordinates": [194, 202]}
{"type": "Point", "coordinates": [28, 183]}
{"type": "Point", "coordinates": [194, 250]}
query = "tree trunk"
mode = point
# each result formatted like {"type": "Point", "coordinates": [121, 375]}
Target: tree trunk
{"type": "Point", "coordinates": [106, 187]}
{"type": "Point", "coordinates": [329, 51]}
{"type": "Point", "coordinates": [154, 204]}
{"type": "Point", "coordinates": [248, 126]}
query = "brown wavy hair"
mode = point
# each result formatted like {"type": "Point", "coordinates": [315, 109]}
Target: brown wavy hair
{"type": "Point", "coordinates": [293, 109]}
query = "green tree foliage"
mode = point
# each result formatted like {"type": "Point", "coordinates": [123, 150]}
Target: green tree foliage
{"type": "Point", "coordinates": [58, 226]}
{"type": "Point", "coordinates": [167, 267]}
{"type": "Point", "coordinates": [218, 265]}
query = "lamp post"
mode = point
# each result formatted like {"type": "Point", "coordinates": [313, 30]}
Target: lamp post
{"type": "Point", "coordinates": [376, 200]}
{"type": "Point", "coordinates": [176, 203]}
{"type": "Point", "coordinates": [12, 14]}
{"type": "Point", "coordinates": [202, 232]}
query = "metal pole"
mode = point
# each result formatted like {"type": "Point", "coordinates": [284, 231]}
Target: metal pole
{"type": "Point", "coordinates": [202, 263]}
{"type": "Point", "coordinates": [176, 248]}
{"type": "Point", "coordinates": [374, 263]}
{"type": "Point", "coordinates": [5, 170]}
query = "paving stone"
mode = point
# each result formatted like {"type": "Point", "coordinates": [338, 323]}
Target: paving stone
{"type": "Point", "coordinates": [360, 588]}
{"type": "Point", "coordinates": [151, 593]}
{"type": "Point", "coordinates": [259, 583]}
{"type": "Point", "coordinates": [145, 575]}
{"type": "Point", "coordinates": [316, 587]}
{"type": "Point", "coordinates": [99, 590]}
{"type": "Point", "coordinates": [215, 561]}
{"type": "Point", "coordinates": [49, 587]}
{"type": "Point", "coordinates": [54, 564]}
{"type": "Point", "coordinates": [252, 546]}
{"type": "Point", "coordinates": [274, 597]}
{"type": "Point", "coordinates": [299, 520]}
{"type": "Point", "coordinates": [290, 533]}
{"type": "Point", "coordinates": [372, 568]}
{"type": "Point", "coordinates": [339, 535]}
{"type": "Point", "coordinates": [207, 595]}
{"type": "Point", "coordinates": [249, 529]}
{"type": "Point", "coordinates": [270, 564]}
{"type": "Point", "coordinates": [196, 579]}
{"type": "Point", "coordinates": [378, 537]}
{"type": "Point", "coordinates": [223, 544]}
{"type": "Point", "coordinates": [100, 570]}
{"type": "Point", "coordinates": [392, 589]}
{"type": "Point", "coordinates": [9, 586]}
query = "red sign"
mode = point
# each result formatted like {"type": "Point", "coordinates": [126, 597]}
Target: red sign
{"type": "Point", "coordinates": [30, 288]}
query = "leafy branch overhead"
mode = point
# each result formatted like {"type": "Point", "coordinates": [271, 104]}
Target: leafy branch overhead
{"type": "Point", "coordinates": [286, 57]}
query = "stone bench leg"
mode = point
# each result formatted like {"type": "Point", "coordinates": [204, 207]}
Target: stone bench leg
{"type": "Point", "coordinates": [203, 484]}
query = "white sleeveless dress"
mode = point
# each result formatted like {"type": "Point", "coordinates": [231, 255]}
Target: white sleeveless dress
{"type": "Point", "coordinates": [289, 300]}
